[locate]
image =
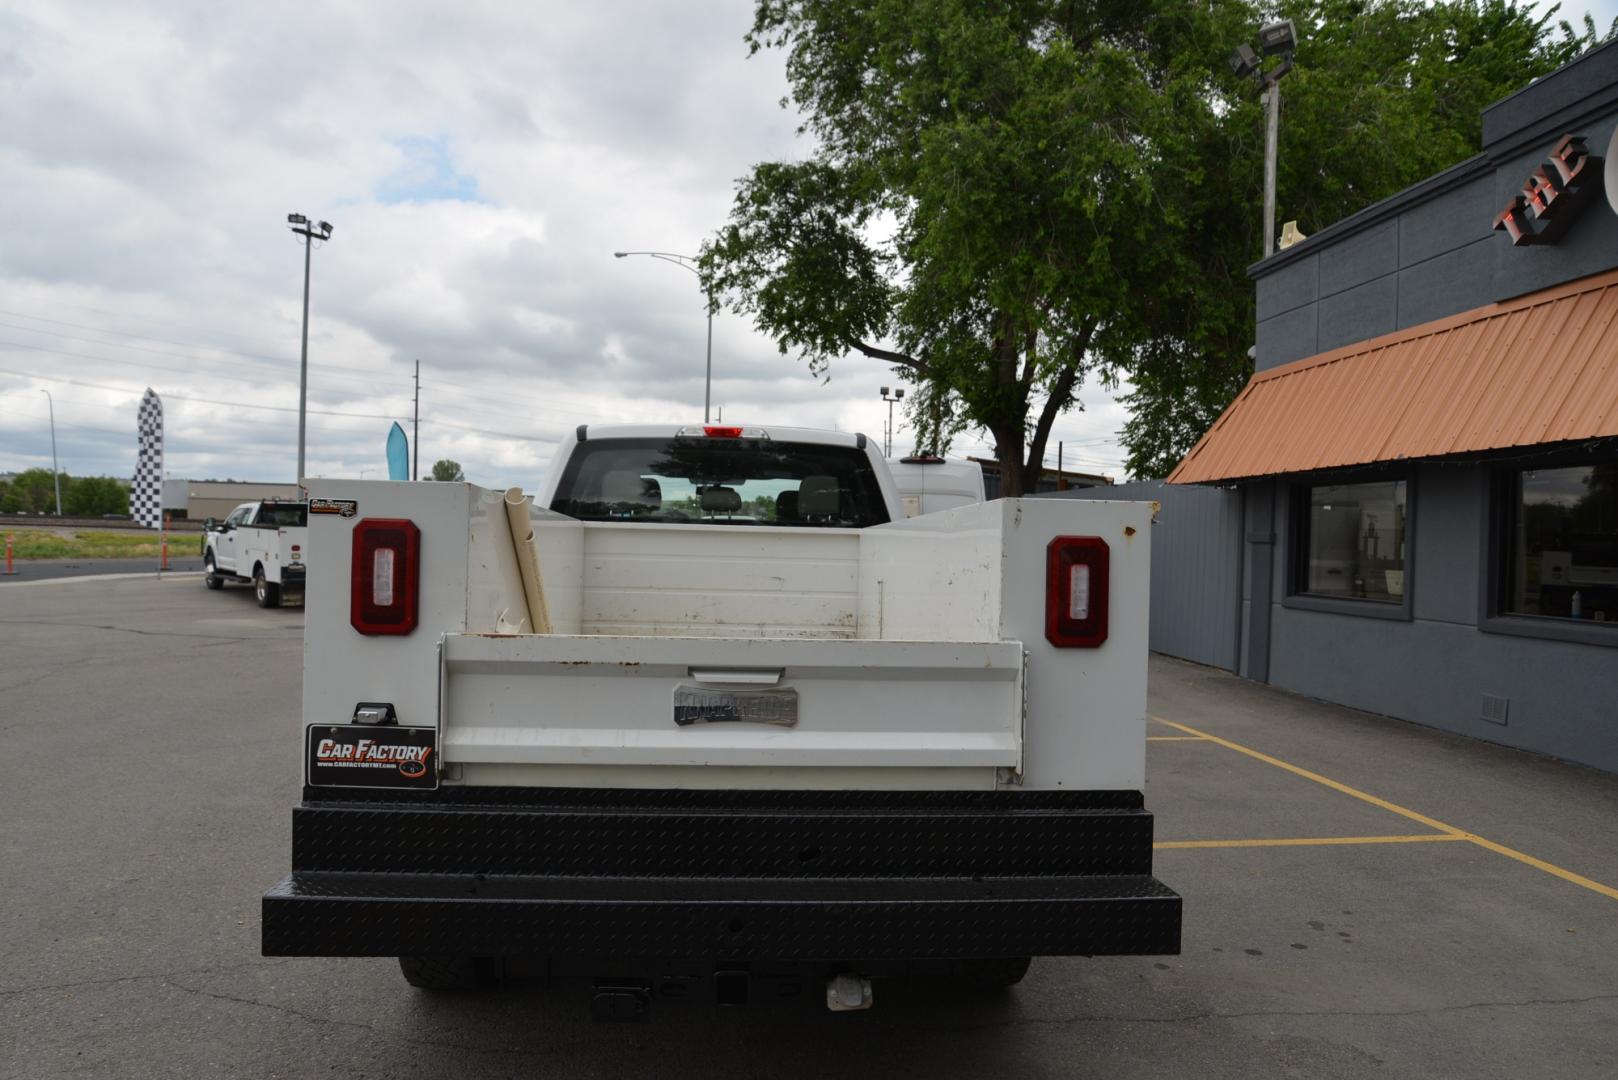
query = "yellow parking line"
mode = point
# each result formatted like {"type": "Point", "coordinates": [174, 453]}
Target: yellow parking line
{"type": "Point", "coordinates": [1433, 823]}
{"type": "Point", "coordinates": [1306, 841]}
{"type": "Point", "coordinates": [1175, 738]}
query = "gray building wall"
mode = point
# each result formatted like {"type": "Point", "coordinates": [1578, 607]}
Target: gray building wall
{"type": "Point", "coordinates": [1435, 668]}
{"type": "Point", "coordinates": [1196, 567]}
{"type": "Point", "coordinates": [1431, 251]}
{"type": "Point", "coordinates": [1427, 254]}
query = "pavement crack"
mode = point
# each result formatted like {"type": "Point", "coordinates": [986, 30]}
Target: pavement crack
{"type": "Point", "coordinates": [159, 976]}
{"type": "Point", "coordinates": [1191, 1018]}
{"type": "Point", "coordinates": [315, 1018]}
{"type": "Point", "coordinates": [124, 629]}
{"type": "Point", "coordinates": [30, 680]}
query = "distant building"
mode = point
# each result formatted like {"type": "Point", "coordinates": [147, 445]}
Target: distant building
{"type": "Point", "coordinates": [217, 498]}
{"type": "Point", "coordinates": [1049, 479]}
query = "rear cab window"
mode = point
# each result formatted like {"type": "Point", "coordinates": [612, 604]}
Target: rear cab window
{"type": "Point", "coordinates": [709, 481]}
{"type": "Point", "coordinates": [283, 515]}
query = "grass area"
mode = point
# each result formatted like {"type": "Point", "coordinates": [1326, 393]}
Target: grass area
{"type": "Point", "coordinates": [96, 544]}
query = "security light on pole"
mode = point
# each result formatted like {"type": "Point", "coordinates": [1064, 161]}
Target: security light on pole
{"type": "Point", "coordinates": [1278, 38]}
{"type": "Point", "coordinates": [687, 262]}
{"type": "Point", "coordinates": [320, 230]}
{"type": "Point", "coordinates": [887, 443]}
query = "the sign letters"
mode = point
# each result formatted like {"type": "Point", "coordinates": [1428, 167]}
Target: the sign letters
{"type": "Point", "coordinates": [1554, 196]}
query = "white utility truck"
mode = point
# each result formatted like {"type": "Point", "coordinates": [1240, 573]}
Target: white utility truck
{"type": "Point", "coordinates": [709, 720]}
{"type": "Point", "coordinates": [260, 544]}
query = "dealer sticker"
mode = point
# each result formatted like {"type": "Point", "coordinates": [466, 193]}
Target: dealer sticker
{"type": "Point", "coordinates": [372, 755]}
{"type": "Point", "coordinates": [341, 507]}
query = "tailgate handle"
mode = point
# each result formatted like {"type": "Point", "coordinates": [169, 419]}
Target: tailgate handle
{"type": "Point", "coordinates": [738, 676]}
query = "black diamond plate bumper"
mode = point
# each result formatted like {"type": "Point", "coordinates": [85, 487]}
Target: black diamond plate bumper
{"type": "Point", "coordinates": [725, 876]}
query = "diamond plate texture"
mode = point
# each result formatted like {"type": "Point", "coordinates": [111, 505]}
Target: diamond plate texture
{"type": "Point", "coordinates": [732, 843]}
{"type": "Point", "coordinates": [721, 875]}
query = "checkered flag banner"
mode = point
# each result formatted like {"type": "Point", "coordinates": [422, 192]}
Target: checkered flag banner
{"type": "Point", "coordinates": [146, 493]}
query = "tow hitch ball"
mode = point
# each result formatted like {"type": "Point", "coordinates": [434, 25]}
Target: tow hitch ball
{"type": "Point", "coordinates": [848, 993]}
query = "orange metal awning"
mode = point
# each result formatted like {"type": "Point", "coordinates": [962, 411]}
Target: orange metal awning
{"type": "Point", "coordinates": [1542, 368]}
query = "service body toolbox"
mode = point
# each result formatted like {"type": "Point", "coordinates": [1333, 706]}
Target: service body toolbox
{"type": "Point", "coordinates": [773, 740]}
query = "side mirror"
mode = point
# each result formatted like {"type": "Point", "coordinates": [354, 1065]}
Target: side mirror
{"type": "Point", "coordinates": [210, 525]}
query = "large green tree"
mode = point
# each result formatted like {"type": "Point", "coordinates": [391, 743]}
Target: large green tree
{"type": "Point", "coordinates": [1006, 198]}
{"type": "Point", "coordinates": [981, 193]}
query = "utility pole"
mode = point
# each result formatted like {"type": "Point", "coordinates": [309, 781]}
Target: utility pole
{"type": "Point", "coordinates": [320, 230]}
{"type": "Point", "coordinates": [415, 429]}
{"type": "Point", "coordinates": [56, 474]}
{"type": "Point", "coordinates": [1272, 129]}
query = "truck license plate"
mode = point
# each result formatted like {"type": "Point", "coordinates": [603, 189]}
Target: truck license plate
{"type": "Point", "coordinates": [703, 705]}
{"type": "Point", "coordinates": [372, 755]}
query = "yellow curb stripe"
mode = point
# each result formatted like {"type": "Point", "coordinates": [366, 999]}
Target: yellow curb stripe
{"type": "Point", "coordinates": [1307, 841]}
{"type": "Point", "coordinates": [1393, 808]}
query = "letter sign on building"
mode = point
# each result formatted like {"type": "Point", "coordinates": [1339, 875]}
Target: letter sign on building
{"type": "Point", "coordinates": [1553, 194]}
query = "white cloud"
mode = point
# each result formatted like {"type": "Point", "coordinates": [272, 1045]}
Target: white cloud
{"type": "Point", "coordinates": [480, 163]}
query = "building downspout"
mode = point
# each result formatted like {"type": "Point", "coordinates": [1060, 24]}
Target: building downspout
{"type": "Point", "coordinates": [1260, 545]}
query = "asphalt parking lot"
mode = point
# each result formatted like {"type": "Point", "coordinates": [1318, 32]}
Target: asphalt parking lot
{"type": "Point", "coordinates": [1362, 897]}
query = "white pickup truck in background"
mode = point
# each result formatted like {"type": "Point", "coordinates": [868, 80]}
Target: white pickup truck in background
{"type": "Point", "coordinates": [262, 544]}
{"type": "Point", "coordinates": [773, 739]}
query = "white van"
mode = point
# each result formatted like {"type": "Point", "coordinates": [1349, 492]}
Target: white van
{"type": "Point", "coordinates": [928, 483]}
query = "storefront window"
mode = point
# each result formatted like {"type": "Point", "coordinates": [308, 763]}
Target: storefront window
{"type": "Point", "coordinates": [1351, 542]}
{"type": "Point", "coordinates": [1563, 561]}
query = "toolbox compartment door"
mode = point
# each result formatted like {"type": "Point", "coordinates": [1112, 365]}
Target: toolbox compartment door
{"type": "Point", "coordinates": [558, 700]}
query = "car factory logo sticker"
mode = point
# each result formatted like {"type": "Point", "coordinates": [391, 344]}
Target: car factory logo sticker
{"type": "Point", "coordinates": [373, 754]}
{"type": "Point", "coordinates": [341, 507]}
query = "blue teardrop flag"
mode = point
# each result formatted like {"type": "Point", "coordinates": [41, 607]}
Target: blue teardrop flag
{"type": "Point", "coordinates": [398, 454]}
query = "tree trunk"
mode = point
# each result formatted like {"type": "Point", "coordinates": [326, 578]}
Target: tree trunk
{"type": "Point", "coordinates": [1008, 455]}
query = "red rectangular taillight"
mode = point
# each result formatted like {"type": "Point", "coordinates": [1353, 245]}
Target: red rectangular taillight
{"type": "Point", "coordinates": [1076, 574]}
{"type": "Point", "coordinates": [384, 576]}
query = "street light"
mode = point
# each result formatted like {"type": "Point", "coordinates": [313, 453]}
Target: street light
{"type": "Point", "coordinates": [898, 395]}
{"type": "Point", "coordinates": [56, 473]}
{"type": "Point", "coordinates": [320, 230]}
{"type": "Point", "coordinates": [1278, 38]}
{"type": "Point", "coordinates": [686, 261]}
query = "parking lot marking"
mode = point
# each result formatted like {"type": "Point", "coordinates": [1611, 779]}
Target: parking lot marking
{"type": "Point", "coordinates": [1175, 738]}
{"type": "Point", "coordinates": [1459, 834]}
{"type": "Point", "coordinates": [1308, 841]}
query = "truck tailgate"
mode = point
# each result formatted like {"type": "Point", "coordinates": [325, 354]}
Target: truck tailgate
{"type": "Point", "coordinates": [554, 699]}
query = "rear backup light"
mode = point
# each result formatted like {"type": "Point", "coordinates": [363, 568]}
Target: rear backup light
{"type": "Point", "coordinates": [1076, 574]}
{"type": "Point", "coordinates": [383, 577]}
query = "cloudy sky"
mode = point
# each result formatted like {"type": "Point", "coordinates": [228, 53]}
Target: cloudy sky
{"type": "Point", "coordinates": [480, 163]}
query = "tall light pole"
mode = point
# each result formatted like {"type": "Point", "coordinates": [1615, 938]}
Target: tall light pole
{"type": "Point", "coordinates": [56, 474]}
{"type": "Point", "coordinates": [1276, 39]}
{"type": "Point", "coordinates": [688, 262]}
{"type": "Point", "coordinates": [898, 395]}
{"type": "Point", "coordinates": [320, 230]}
